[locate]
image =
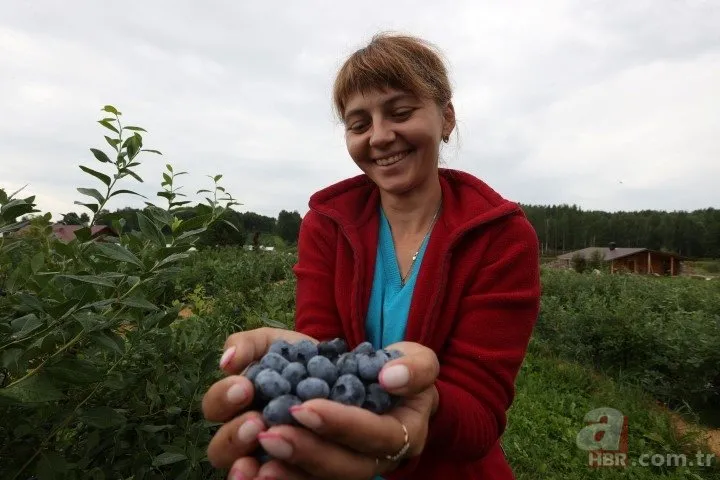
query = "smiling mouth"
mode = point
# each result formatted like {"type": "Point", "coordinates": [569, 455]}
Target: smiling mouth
{"type": "Point", "coordinates": [386, 162]}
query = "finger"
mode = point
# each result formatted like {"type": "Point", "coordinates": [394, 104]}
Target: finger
{"type": "Point", "coordinates": [279, 469]}
{"type": "Point", "coordinates": [227, 397]}
{"type": "Point", "coordinates": [315, 456]}
{"type": "Point", "coordinates": [235, 439]}
{"type": "Point", "coordinates": [353, 427]}
{"type": "Point", "coordinates": [412, 373]}
{"type": "Point", "coordinates": [243, 348]}
{"type": "Point", "coordinates": [244, 468]}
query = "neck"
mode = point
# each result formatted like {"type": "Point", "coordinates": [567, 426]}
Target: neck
{"type": "Point", "coordinates": [411, 214]}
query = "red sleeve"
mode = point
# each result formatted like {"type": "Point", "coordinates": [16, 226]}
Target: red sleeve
{"type": "Point", "coordinates": [316, 312]}
{"type": "Point", "coordinates": [479, 366]}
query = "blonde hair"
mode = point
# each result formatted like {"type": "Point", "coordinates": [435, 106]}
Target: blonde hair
{"type": "Point", "coordinates": [397, 61]}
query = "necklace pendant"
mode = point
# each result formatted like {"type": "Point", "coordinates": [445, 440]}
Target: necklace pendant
{"type": "Point", "coordinates": [415, 256]}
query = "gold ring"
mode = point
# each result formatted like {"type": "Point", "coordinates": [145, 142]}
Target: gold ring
{"type": "Point", "coordinates": [403, 450]}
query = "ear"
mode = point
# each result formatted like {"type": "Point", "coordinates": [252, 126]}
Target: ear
{"type": "Point", "coordinates": [448, 119]}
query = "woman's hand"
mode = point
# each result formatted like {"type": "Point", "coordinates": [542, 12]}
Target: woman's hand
{"type": "Point", "coordinates": [340, 441]}
{"type": "Point", "coordinates": [234, 394]}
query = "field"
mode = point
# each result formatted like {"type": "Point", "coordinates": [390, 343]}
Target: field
{"type": "Point", "coordinates": [620, 342]}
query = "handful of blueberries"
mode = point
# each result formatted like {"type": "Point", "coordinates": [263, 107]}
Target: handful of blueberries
{"type": "Point", "coordinates": [289, 374]}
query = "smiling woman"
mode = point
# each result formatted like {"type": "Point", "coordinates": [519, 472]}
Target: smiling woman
{"type": "Point", "coordinates": [409, 256]}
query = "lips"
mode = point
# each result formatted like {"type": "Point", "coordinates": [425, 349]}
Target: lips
{"type": "Point", "coordinates": [393, 159]}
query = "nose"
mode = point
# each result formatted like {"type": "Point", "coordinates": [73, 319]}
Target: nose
{"type": "Point", "coordinates": [381, 134]}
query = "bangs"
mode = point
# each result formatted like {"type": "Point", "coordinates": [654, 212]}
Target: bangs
{"type": "Point", "coordinates": [403, 63]}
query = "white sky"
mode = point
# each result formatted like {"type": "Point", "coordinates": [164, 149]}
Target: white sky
{"type": "Point", "coordinates": [557, 101]}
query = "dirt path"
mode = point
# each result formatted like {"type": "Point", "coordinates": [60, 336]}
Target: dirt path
{"type": "Point", "coordinates": [711, 436]}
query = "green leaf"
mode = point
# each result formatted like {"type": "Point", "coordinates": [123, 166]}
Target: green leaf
{"type": "Point", "coordinates": [103, 178]}
{"type": "Point", "coordinates": [113, 142]}
{"type": "Point", "coordinates": [217, 178]}
{"type": "Point", "coordinates": [92, 193]}
{"type": "Point", "coordinates": [76, 371]}
{"type": "Point", "coordinates": [118, 252]}
{"type": "Point", "coordinates": [108, 340]}
{"type": "Point", "coordinates": [154, 428]}
{"type": "Point", "coordinates": [191, 233]}
{"type": "Point", "coordinates": [135, 129]}
{"type": "Point", "coordinates": [172, 258]}
{"type": "Point", "coordinates": [51, 466]}
{"type": "Point", "coordinates": [151, 151]}
{"type": "Point", "coordinates": [168, 458]}
{"type": "Point", "coordinates": [169, 167]}
{"type": "Point", "coordinates": [151, 230]}
{"type": "Point", "coordinates": [133, 174]}
{"type": "Point", "coordinates": [37, 262]}
{"type": "Point", "coordinates": [35, 389]}
{"type": "Point", "coordinates": [111, 109]}
{"type": "Point", "coordinates": [138, 302]}
{"type": "Point", "coordinates": [92, 206]}
{"type": "Point", "coordinates": [93, 279]}
{"type": "Point", "coordinates": [107, 125]}
{"type": "Point", "coordinates": [24, 325]}
{"type": "Point", "coordinates": [102, 417]}
{"type": "Point", "coordinates": [118, 192]}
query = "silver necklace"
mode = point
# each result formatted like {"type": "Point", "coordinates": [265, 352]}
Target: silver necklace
{"type": "Point", "coordinates": [414, 257]}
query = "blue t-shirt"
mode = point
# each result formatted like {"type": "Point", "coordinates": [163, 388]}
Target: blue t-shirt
{"type": "Point", "coordinates": [389, 300]}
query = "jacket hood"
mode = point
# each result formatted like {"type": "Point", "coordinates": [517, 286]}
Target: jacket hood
{"type": "Point", "coordinates": [467, 201]}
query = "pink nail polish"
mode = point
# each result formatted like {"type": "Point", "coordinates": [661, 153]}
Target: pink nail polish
{"type": "Point", "coordinates": [227, 356]}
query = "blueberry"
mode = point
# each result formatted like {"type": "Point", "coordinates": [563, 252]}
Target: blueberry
{"type": "Point", "coordinates": [393, 354]}
{"type": "Point", "coordinates": [274, 361]}
{"type": "Point", "coordinates": [293, 373]}
{"type": "Point", "coordinates": [252, 371]}
{"type": "Point", "coordinates": [277, 412]}
{"type": "Point", "coordinates": [271, 384]}
{"type": "Point", "coordinates": [303, 351]}
{"type": "Point", "coordinates": [282, 348]}
{"type": "Point", "coordinates": [364, 347]}
{"type": "Point", "coordinates": [347, 363]}
{"type": "Point", "coordinates": [321, 367]}
{"type": "Point", "coordinates": [369, 366]}
{"type": "Point", "coordinates": [312, 388]}
{"type": "Point", "coordinates": [348, 390]}
{"type": "Point", "coordinates": [333, 348]}
{"type": "Point", "coordinates": [377, 400]}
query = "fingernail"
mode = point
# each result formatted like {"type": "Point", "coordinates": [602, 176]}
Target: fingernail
{"type": "Point", "coordinates": [248, 431]}
{"type": "Point", "coordinates": [236, 394]}
{"type": "Point", "coordinates": [306, 416]}
{"type": "Point", "coordinates": [227, 356]}
{"type": "Point", "coordinates": [238, 475]}
{"type": "Point", "coordinates": [275, 445]}
{"type": "Point", "coordinates": [395, 377]}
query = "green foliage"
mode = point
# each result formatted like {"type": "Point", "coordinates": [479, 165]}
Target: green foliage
{"type": "Point", "coordinates": [661, 333]}
{"type": "Point", "coordinates": [93, 365]}
{"type": "Point", "coordinates": [579, 263]}
{"type": "Point", "coordinates": [288, 226]}
{"type": "Point", "coordinates": [564, 228]}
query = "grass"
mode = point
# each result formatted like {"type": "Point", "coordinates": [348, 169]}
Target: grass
{"type": "Point", "coordinates": [552, 398]}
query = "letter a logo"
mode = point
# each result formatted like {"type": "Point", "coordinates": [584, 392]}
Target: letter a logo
{"type": "Point", "coordinates": [605, 430]}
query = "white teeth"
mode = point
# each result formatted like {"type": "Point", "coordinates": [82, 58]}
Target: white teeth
{"type": "Point", "coordinates": [384, 162]}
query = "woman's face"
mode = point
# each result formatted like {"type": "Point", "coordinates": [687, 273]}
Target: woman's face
{"type": "Point", "coordinates": [394, 137]}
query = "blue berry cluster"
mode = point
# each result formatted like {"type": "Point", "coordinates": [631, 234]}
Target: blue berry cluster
{"type": "Point", "coordinates": [289, 374]}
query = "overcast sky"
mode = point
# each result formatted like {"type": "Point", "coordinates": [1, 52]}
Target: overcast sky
{"type": "Point", "coordinates": [609, 105]}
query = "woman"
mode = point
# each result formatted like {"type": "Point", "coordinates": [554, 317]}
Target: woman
{"type": "Point", "coordinates": [427, 260]}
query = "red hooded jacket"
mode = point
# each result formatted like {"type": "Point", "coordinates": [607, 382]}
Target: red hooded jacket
{"type": "Point", "coordinates": [475, 304]}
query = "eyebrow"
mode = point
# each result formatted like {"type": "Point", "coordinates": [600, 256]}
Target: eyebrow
{"type": "Point", "coordinates": [392, 99]}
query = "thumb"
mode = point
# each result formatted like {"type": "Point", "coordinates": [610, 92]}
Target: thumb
{"type": "Point", "coordinates": [412, 373]}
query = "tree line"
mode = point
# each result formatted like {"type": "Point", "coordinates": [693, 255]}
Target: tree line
{"type": "Point", "coordinates": [564, 228]}
{"type": "Point", "coordinates": [560, 228]}
{"type": "Point", "coordinates": [235, 228]}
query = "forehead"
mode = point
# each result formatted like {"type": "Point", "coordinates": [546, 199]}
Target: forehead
{"type": "Point", "coordinates": [360, 101]}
